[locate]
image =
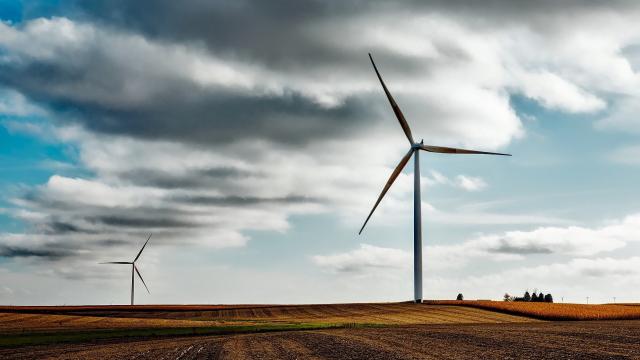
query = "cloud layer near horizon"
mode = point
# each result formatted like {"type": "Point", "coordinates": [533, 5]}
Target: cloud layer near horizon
{"type": "Point", "coordinates": [512, 245]}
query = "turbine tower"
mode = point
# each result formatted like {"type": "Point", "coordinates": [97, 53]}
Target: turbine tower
{"type": "Point", "coordinates": [417, 216]}
{"type": "Point", "coordinates": [134, 269]}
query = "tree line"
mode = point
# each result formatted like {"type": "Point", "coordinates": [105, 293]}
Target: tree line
{"type": "Point", "coordinates": [535, 297]}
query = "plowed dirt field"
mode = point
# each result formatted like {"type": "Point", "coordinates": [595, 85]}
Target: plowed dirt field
{"type": "Point", "coordinates": [540, 340]}
{"type": "Point", "coordinates": [87, 318]}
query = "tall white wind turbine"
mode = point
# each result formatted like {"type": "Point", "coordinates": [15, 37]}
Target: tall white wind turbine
{"type": "Point", "coordinates": [134, 269]}
{"type": "Point", "coordinates": [417, 216]}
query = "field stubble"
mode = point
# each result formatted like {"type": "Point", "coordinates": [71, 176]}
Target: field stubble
{"type": "Point", "coordinates": [105, 317]}
{"type": "Point", "coordinates": [553, 311]}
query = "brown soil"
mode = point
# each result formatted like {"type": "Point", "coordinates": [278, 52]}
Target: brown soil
{"type": "Point", "coordinates": [539, 340]}
{"type": "Point", "coordinates": [49, 319]}
{"type": "Point", "coordinates": [38, 323]}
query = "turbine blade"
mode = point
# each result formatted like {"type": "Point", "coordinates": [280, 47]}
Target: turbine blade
{"type": "Point", "coordinates": [394, 106]}
{"type": "Point", "coordinates": [448, 150]}
{"type": "Point", "coordinates": [145, 244]}
{"type": "Point", "coordinates": [116, 262]}
{"type": "Point", "coordinates": [392, 178]}
{"type": "Point", "coordinates": [140, 276]}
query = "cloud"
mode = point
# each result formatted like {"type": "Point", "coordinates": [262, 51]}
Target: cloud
{"type": "Point", "coordinates": [365, 258]}
{"type": "Point", "coordinates": [572, 240]}
{"type": "Point", "coordinates": [603, 267]}
{"type": "Point", "coordinates": [591, 268]}
{"type": "Point", "coordinates": [622, 118]}
{"type": "Point", "coordinates": [569, 241]}
{"type": "Point", "coordinates": [512, 245]}
{"type": "Point", "coordinates": [435, 178]}
{"type": "Point", "coordinates": [103, 79]}
{"type": "Point", "coordinates": [24, 127]}
{"type": "Point", "coordinates": [310, 87]}
{"type": "Point", "coordinates": [555, 92]}
{"type": "Point", "coordinates": [470, 183]}
{"type": "Point", "coordinates": [17, 252]}
{"type": "Point", "coordinates": [208, 121]}
{"type": "Point", "coordinates": [599, 278]}
{"type": "Point", "coordinates": [465, 182]}
{"type": "Point", "coordinates": [14, 104]}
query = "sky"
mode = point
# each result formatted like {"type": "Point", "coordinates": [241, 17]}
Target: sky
{"type": "Point", "coordinates": [252, 138]}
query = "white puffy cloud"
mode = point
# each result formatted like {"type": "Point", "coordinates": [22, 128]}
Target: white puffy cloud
{"type": "Point", "coordinates": [571, 241]}
{"type": "Point", "coordinates": [464, 182]}
{"type": "Point", "coordinates": [554, 92]}
{"type": "Point", "coordinates": [470, 183]}
{"type": "Point", "coordinates": [566, 241]}
{"type": "Point", "coordinates": [623, 117]}
{"type": "Point", "coordinates": [13, 103]}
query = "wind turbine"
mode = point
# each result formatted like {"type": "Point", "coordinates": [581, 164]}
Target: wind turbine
{"type": "Point", "coordinates": [417, 216]}
{"type": "Point", "coordinates": [134, 268]}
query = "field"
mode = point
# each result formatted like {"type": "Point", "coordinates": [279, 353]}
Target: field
{"type": "Point", "coordinates": [23, 325]}
{"type": "Point", "coordinates": [539, 340]}
{"type": "Point", "coordinates": [469, 329]}
{"type": "Point", "coordinates": [554, 311]}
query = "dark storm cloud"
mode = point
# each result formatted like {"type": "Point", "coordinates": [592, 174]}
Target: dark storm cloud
{"type": "Point", "coordinates": [276, 29]}
{"type": "Point", "coordinates": [94, 220]}
{"type": "Point", "coordinates": [111, 242]}
{"type": "Point", "coordinates": [176, 110]}
{"type": "Point", "coordinates": [82, 84]}
{"type": "Point", "coordinates": [40, 252]}
{"type": "Point", "coordinates": [506, 247]}
{"type": "Point", "coordinates": [195, 179]}
{"type": "Point", "coordinates": [244, 200]}
{"type": "Point", "coordinates": [58, 227]}
{"type": "Point", "coordinates": [140, 222]}
{"type": "Point", "coordinates": [273, 31]}
{"type": "Point", "coordinates": [173, 214]}
{"type": "Point", "coordinates": [283, 37]}
{"type": "Point", "coordinates": [220, 118]}
{"type": "Point", "coordinates": [277, 32]}
{"type": "Point", "coordinates": [60, 248]}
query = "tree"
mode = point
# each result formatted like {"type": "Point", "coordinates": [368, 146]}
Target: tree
{"type": "Point", "coordinates": [548, 298]}
{"type": "Point", "coordinates": [534, 297]}
{"type": "Point", "coordinates": [541, 297]}
{"type": "Point", "coordinates": [507, 297]}
{"type": "Point", "coordinates": [460, 297]}
{"type": "Point", "coordinates": [527, 296]}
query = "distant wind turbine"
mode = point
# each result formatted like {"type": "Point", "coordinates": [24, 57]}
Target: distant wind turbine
{"type": "Point", "coordinates": [417, 217]}
{"type": "Point", "coordinates": [134, 269]}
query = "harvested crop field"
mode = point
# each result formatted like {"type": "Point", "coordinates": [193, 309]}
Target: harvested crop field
{"type": "Point", "coordinates": [383, 313]}
{"type": "Point", "coordinates": [554, 311]}
{"type": "Point", "coordinates": [557, 340]}
{"type": "Point", "coordinates": [11, 323]}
